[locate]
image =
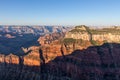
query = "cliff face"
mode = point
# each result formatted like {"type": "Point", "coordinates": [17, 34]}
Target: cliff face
{"type": "Point", "coordinates": [96, 62]}
{"type": "Point", "coordinates": [50, 38]}
{"type": "Point", "coordinates": [78, 33]}
{"type": "Point", "coordinates": [85, 33]}
{"type": "Point", "coordinates": [10, 59]}
{"type": "Point", "coordinates": [49, 44]}
{"type": "Point", "coordinates": [108, 37]}
{"type": "Point", "coordinates": [31, 59]}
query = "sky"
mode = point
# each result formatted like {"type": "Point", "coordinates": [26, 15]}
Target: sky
{"type": "Point", "coordinates": [60, 12]}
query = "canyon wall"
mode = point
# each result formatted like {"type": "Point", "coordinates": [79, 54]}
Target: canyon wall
{"type": "Point", "coordinates": [86, 33]}
{"type": "Point", "coordinates": [63, 61]}
{"type": "Point", "coordinates": [49, 44]}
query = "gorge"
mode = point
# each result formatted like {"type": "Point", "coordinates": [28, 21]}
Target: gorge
{"type": "Point", "coordinates": [81, 53]}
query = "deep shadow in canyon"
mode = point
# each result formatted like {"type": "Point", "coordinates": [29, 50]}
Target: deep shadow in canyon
{"type": "Point", "coordinates": [93, 63]}
{"type": "Point", "coordinates": [14, 45]}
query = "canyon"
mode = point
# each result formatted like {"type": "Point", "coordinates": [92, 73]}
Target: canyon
{"type": "Point", "coordinates": [82, 53]}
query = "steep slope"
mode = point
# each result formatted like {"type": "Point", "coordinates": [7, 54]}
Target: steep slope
{"type": "Point", "coordinates": [93, 63]}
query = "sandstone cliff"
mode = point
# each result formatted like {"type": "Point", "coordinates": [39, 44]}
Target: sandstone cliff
{"type": "Point", "coordinates": [85, 33]}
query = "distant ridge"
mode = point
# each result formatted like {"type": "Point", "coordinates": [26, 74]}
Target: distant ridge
{"type": "Point", "coordinates": [37, 30]}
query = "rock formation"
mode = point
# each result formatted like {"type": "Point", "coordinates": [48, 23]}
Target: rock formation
{"type": "Point", "coordinates": [85, 33]}
{"type": "Point", "coordinates": [36, 30]}
{"type": "Point", "coordinates": [67, 56]}
{"type": "Point", "coordinates": [93, 63]}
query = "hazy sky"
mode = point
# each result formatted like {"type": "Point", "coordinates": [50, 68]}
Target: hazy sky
{"type": "Point", "coordinates": [60, 12]}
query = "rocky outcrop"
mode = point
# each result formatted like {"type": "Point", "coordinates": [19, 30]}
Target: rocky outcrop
{"type": "Point", "coordinates": [49, 38]}
{"type": "Point", "coordinates": [77, 35]}
{"type": "Point", "coordinates": [79, 32]}
{"type": "Point", "coordinates": [106, 37]}
{"type": "Point", "coordinates": [31, 59]}
{"type": "Point", "coordinates": [10, 59]}
{"type": "Point", "coordinates": [93, 63]}
{"type": "Point", "coordinates": [85, 33]}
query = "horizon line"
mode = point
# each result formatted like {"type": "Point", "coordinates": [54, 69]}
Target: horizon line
{"type": "Point", "coordinates": [54, 25]}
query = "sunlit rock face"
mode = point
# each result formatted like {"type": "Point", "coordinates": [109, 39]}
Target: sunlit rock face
{"type": "Point", "coordinates": [10, 59]}
{"type": "Point", "coordinates": [33, 58]}
{"type": "Point", "coordinates": [84, 36]}
{"type": "Point", "coordinates": [49, 38]}
{"type": "Point", "coordinates": [108, 36]}
{"type": "Point", "coordinates": [79, 32]}
{"type": "Point", "coordinates": [83, 32]}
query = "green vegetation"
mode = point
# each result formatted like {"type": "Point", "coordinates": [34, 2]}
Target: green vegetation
{"type": "Point", "coordinates": [77, 30]}
{"type": "Point", "coordinates": [80, 26]}
{"type": "Point", "coordinates": [105, 31]}
{"type": "Point", "coordinates": [75, 42]}
{"type": "Point", "coordinates": [95, 43]}
{"type": "Point", "coordinates": [69, 40]}
{"type": "Point", "coordinates": [105, 41]}
{"type": "Point", "coordinates": [32, 57]}
{"type": "Point", "coordinates": [84, 29]}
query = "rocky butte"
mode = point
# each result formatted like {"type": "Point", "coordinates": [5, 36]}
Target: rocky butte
{"type": "Point", "coordinates": [83, 32]}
